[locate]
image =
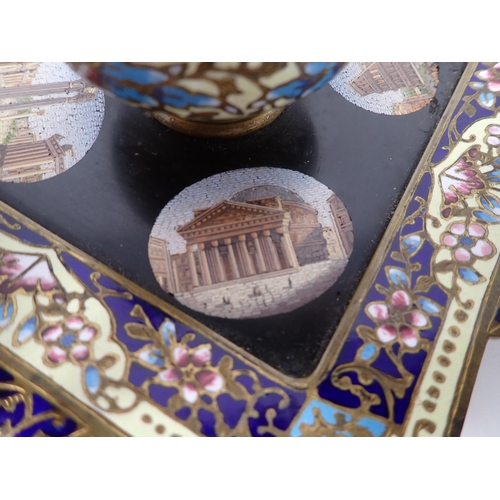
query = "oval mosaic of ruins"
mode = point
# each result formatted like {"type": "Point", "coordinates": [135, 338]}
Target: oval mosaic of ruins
{"type": "Point", "coordinates": [49, 119]}
{"type": "Point", "coordinates": [390, 88]}
{"type": "Point", "coordinates": [251, 243]}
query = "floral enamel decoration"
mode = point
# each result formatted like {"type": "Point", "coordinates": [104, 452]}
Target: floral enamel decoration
{"type": "Point", "coordinates": [21, 414]}
{"type": "Point", "coordinates": [193, 97]}
{"type": "Point", "coordinates": [210, 91]}
{"type": "Point", "coordinates": [469, 198]}
{"type": "Point", "coordinates": [399, 327]}
{"type": "Point", "coordinates": [467, 242]}
{"type": "Point", "coordinates": [189, 370]}
{"type": "Point", "coordinates": [461, 179]}
{"type": "Point", "coordinates": [25, 271]}
{"type": "Point", "coordinates": [493, 137]}
{"type": "Point", "coordinates": [69, 339]}
{"type": "Point", "coordinates": [72, 323]}
{"type": "Point", "coordinates": [398, 318]}
{"type": "Point", "coordinates": [489, 86]}
{"type": "Point", "coordinates": [55, 318]}
{"type": "Point", "coordinates": [459, 240]}
{"type": "Point", "coordinates": [201, 386]}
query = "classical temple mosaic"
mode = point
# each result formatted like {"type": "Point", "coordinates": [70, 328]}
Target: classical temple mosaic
{"type": "Point", "coordinates": [391, 88]}
{"type": "Point", "coordinates": [49, 118]}
{"type": "Point", "coordinates": [257, 249]}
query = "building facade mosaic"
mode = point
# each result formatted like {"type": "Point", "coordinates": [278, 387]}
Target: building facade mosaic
{"type": "Point", "coordinates": [395, 88]}
{"type": "Point", "coordinates": [33, 144]}
{"type": "Point", "coordinates": [248, 257]}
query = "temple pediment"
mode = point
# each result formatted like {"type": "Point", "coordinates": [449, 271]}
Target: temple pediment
{"type": "Point", "coordinates": [229, 212]}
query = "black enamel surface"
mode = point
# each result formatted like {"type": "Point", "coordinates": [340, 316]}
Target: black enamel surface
{"type": "Point", "coordinates": [107, 204]}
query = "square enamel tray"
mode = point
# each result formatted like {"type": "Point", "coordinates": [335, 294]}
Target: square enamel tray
{"type": "Point", "coordinates": [402, 360]}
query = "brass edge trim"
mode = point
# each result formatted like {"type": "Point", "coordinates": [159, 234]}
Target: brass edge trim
{"type": "Point", "coordinates": [494, 326]}
{"type": "Point", "coordinates": [223, 130]}
{"type": "Point", "coordinates": [473, 358]}
{"type": "Point", "coordinates": [446, 118]}
{"type": "Point", "coordinates": [98, 425]}
{"type": "Point", "coordinates": [479, 336]}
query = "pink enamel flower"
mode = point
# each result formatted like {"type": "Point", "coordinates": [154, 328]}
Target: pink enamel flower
{"type": "Point", "coordinates": [492, 77]}
{"type": "Point", "coordinates": [398, 318]}
{"type": "Point", "coordinates": [460, 178]}
{"type": "Point", "coordinates": [467, 242]}
{"type": "Point", "coordinates": [190, 372]}
{"type": "Point", "coordinates": [25, 271]}
{"type": "Point", "coordinates": [70, 338]}
{"type": "Point", "coordinates": [493, 137]}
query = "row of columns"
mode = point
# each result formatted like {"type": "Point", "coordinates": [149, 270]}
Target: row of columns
{"type": "Point", "coordinates": [41, 89]}
{"type": "Point", "coordinates": [81, 97]}
{"type": "Point", "coordinates": [22, 115]}
{"type": "Point", "coordinates": [14, 74]}
{"type": "Point", "coordinates": [17, 67]}
{"type": "Point", "coordinates": [27, 155]}
{"type": "Point", "coordinates": [240, 262]}
{"type": "Point", "coordinates": [21, 160]}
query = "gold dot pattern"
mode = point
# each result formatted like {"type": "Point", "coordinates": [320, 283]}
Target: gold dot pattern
{"type": "Point", "coordinates": [160, 428]}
